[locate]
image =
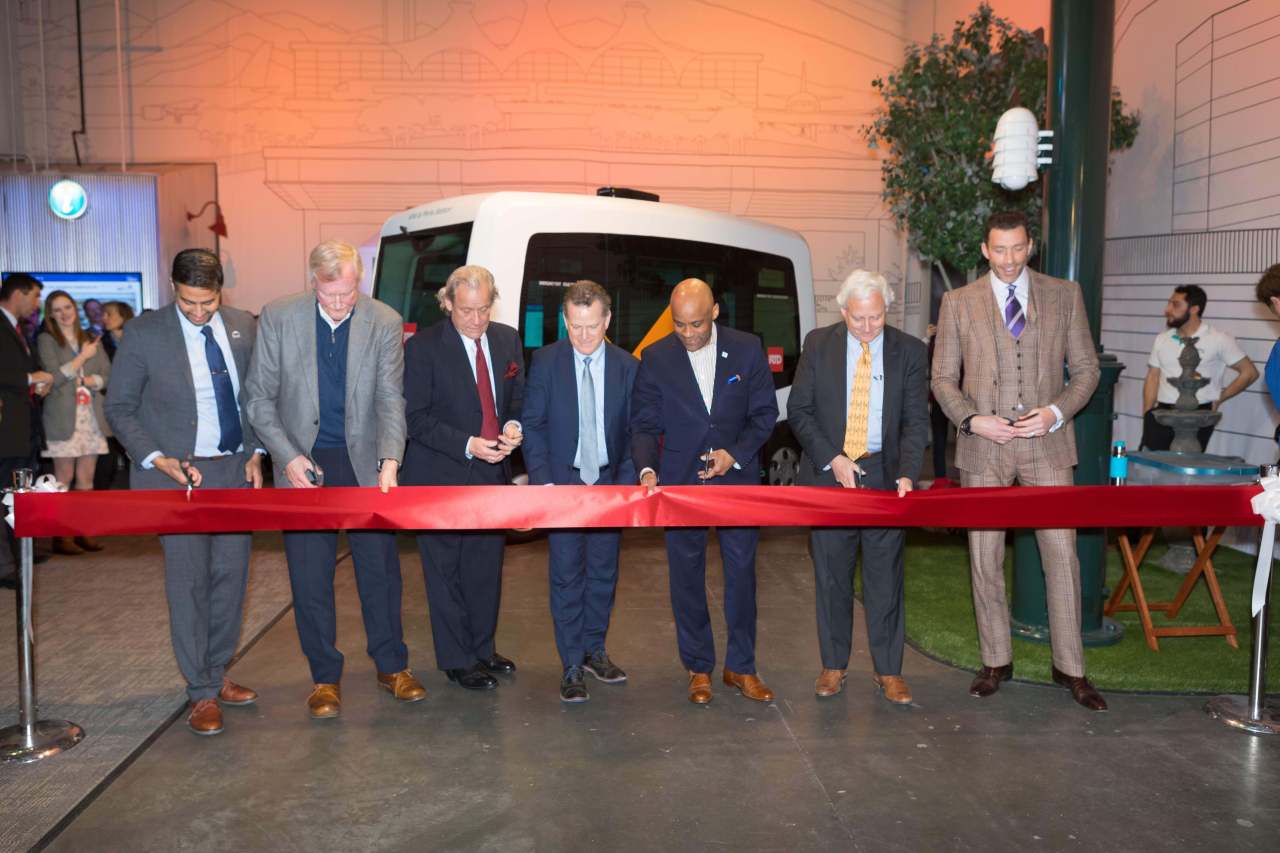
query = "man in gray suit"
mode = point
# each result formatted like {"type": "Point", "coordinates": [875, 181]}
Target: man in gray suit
{"type": "Point", "coordinates": [325, 395]}
{"type": "Point", "coordinates": [176, 406]}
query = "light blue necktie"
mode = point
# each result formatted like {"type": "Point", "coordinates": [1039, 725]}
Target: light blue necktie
{"type": "Point", "coordinates": [588, 441]}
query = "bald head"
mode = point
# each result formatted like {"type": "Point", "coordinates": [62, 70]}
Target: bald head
{"type": "Point", "coordinates": [693, 313]}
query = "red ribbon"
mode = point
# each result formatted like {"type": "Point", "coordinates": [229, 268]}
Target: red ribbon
{"type": "Point", "coordinates": [129, 513]}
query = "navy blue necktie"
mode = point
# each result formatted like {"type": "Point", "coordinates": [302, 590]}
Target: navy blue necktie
{"type": "Point", "coordinates": [224, 393]}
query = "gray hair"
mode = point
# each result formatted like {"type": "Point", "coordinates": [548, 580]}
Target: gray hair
{"type": "Point", "coordinates": [328, 259]}
{"type": "Point", "coordinates": [586, 293]}
{"type": "Point", "coordinates": [861, 284]}
{"type": "Point", "coordinates": [473, 276]}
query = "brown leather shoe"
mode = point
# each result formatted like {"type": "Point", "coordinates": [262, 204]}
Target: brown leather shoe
{"type": "Point", "coordinates": [749, 685]}
{"type": "Point", "coordinates": [1081, 690]}
{"type": "Point", "coordinates": [234, 694]}
{"type": "Point", "coordinates": [205, 717]}
{"type": "Point", "coordinates": [403, 685]}
{"type": "Point", "coordinates": [830, 682]}
{"type": "Point", "coordinates": [894, 688]}
{"type": "Point", "coordinates": [325, 701]}
{"type": "Point", "coordinates": [65, 546]}
{"type": "Point", "coordinates": [988, 680]}
{"type": "Point", "coordinates": [700, 688]}
{"type": "Point", "coordinates": [89, 544]}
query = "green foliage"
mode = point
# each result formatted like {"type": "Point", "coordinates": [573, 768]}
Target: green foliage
{"type": "Point", "coordinates": [935, 127]}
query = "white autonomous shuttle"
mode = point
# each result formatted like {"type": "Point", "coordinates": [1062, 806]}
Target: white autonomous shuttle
{"type": "Point", "coordinates": [635, 246]}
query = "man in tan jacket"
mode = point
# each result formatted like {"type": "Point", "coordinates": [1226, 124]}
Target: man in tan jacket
{"type": "Point", "coordinates": [998, 374]}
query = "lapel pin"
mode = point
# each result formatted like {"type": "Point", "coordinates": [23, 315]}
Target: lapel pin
{"type": "Point", "coordinates": [724, 355]}
{"type": "Point", "coordinates": [235, 333]}
{"type": "Point", "coordinates": [734, 378]}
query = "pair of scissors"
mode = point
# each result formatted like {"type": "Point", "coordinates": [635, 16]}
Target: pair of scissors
{"type": "Point", "coordinates": [186, 472]}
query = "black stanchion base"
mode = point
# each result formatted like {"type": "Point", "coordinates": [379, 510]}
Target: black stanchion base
{"type": "Point", "coordinates": [49, 737]}
{"type": "Point", "coordinates": [1108, 633]}
{"type": "Point", "coordinates": [1234, 711]}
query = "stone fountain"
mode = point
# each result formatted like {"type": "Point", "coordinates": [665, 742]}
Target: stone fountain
{"type": "Point", "coordinates": [1186, 417]}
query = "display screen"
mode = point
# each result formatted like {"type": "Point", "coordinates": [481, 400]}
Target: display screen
{"type": "Point", "coordinates": [105, 287]}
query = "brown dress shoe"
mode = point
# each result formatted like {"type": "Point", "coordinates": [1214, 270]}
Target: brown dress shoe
{"type": "Point", "coordinates": [748, 685]}
{"type": "Point", "coordinates": [65, 546]}
{"type": "Point", "coordinates": [205, 717]}
{"type": "Point", "coordinates": [700, 688]}
{"type": "Point", "coordinates": [403, 685]}
{"type": "Point", "coordinates": [325, 701]}
{"type": "Point", "coordinates": [830, 682]}
{"type": "Point", "coordinates": [988, 680]}
{"type": "Point", "coordinates": [234, 694]}
{"type": "Point", "coordinates": [88, 544]}
{"type": "Point", "coordinates": [1081, 690]}
{"type": "Point", "coordinates": [894, 688]}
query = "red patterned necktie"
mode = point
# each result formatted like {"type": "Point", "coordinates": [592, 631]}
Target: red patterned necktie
{"type": "Point", "coordinates": [488, 411]}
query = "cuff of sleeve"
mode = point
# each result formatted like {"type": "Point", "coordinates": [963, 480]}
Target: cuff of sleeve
{"type": "Point", "coordinates": [70, 374]}
{"type": "Point", "coordinates": [150, 461]}
{"type": "Point", "coordinates": [519, 428]}
{"type": "Point", "coordinates": [1057, 413]}
{"type": "Point", "coordinates": [465, 451]}
{"type": "Point", "coordinates": [260, 451]}
{"type": "Point", "coordinates": [644, 471]}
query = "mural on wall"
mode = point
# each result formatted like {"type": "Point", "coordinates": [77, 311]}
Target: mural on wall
{"type": "Point", "coordinates": [325, 118]}
{"type": "Point", "coordinates": [1195, 202]}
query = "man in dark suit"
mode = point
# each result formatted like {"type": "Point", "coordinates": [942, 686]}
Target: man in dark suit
{"type": "Point", "coordinates": [577, 431]}
{"type": "Point", "coordinates": [702, 407]}
{"type": "Point", "coordinates": [20, 378]}
{"type": "Point", "coordinates": [176, 404]}
{"type": "Point", "coordinates": [324, 394]}
{"type": "Point", "coordinates": [463, 389]}
{"type": "Point", "coordinates": [859, 408]}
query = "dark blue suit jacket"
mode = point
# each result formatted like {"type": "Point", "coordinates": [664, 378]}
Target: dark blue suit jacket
{"type": "Point", "coordinates": [550, 417]}
{"type": "Point", "coordinates": [670, 425]}
{"type": "Point", "coordinates": [442, 405]}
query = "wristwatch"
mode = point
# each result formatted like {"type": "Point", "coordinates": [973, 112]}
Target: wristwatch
{"type": "Point", "coordinates": [380, 461]}
{"type": "Point", "coordinates": [964, 425]}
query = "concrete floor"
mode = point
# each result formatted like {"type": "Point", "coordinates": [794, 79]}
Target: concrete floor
{"type": "Point", "coordinates": [639, 768]}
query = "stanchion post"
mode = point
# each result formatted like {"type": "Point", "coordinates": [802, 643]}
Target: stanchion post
{"type": "Point", "coordinates": [1255, 715]}
{"type": "Point", "coordinates": [32, 739]}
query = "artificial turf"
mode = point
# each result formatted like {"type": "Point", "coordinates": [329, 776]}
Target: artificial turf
{"type": "Point", "coordinates": [940, 623]}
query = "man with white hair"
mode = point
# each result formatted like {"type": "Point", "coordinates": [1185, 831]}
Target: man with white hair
{"type": "Point", "coordinates": [859, 408]}
{"type": "Point", "coordinates": [464, 390]}
{"type": "Point", "coordinates": [324, 395]}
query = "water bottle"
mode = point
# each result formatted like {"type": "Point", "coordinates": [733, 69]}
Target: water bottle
{"type": "Point", "coordinates": [1119, 465]}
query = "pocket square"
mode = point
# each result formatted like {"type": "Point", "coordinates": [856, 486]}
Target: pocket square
{"type": "Point", "coordinates": [512, 370]}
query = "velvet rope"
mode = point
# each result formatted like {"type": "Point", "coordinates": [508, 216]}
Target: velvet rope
{"type": "Point", "coordinates": [129, 513]}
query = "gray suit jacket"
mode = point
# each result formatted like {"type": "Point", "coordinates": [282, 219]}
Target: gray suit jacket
{"type": "Point", "coordinates": [283, 399]}
{"type": "Point", "coordinates": [60, 405]}
{"type": "Point", "coordinates": [152, 404]}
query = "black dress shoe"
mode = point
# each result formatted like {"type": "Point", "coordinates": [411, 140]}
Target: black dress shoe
{"type": "Point", "coordinates": [9, 582]}
{"type": "Point", "coordinates": [496, 664]}
{"type": "Point", "coordinates": [988, 680]}
{"type": "Point", "coordinates": [572, 687]}
{"type": "Point", "coordinates": [472, 679]}
{"type": "Point", "coordinates": [1081, 690]}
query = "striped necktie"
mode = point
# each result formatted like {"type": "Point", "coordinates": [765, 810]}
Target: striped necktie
{"type": "Point", "coordinates": [1014, 318]}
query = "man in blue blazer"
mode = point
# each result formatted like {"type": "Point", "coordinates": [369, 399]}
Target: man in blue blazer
{"type": "Point", "coordinates": [463, 386]}
{"type": "Point", "coordinates": [702, 407]}
{"type": "Point", "coordinates": [577, 431]}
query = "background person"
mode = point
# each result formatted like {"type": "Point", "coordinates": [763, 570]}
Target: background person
{"type": "Point", "coordinates": [1183, 315]}
{"type": "Point", "coordinates": [22, 382]}
{"type": "Point", "coordinates": [75, 426]}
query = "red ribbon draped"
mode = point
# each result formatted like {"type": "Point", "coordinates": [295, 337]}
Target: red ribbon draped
{"type": "Point", "coordinates": [130, 513]}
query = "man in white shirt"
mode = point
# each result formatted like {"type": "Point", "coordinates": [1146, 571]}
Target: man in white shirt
{"type": "Point", "coordinates": [1183, 314]}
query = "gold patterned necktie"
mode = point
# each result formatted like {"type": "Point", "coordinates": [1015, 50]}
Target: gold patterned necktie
{"type": "Point", "coordinates": [855, 425]}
